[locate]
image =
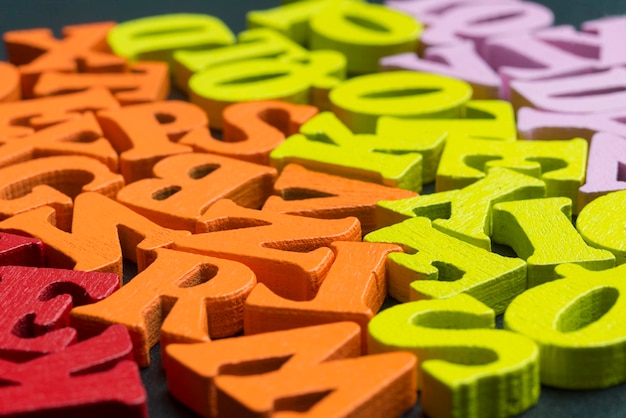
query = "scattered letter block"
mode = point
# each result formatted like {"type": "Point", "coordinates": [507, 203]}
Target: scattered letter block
{"type": "Point", "coordinates": [143, 82]}
{"type": "Point", "coordinates": [54, 181]}
{"type": "Point", "coordinates": [16, 250]}
{"type": "Point", "coordinates": [313, 371]}
{"type": "Point", "coordinates": [436, 265]}
{"type": "Point", "coordinates": [35, 305]}
{"type": "Point", "coordinates": [325, 144]}
{"type": "Point", "coordinates": [354, 290]}
{"type": "Point", "coordinates": [584, 315]}
{"type": "Point", "coordinates": [251, 130]}
{"type": "Point", "coordinates": [464, 369]}
{"type": "Point", "coordinates": [92, 378]}
{"type": "Point", "coordinates": [82, 49]}
{"type": "Point", "coordinates": [156, 38]}
{"type": "Point", "coordinates": [180, 297]}
{"type": "Point", "coordinates": [267, 79]}
{"type": "Point", "coordinates": [318, 195]}
{"type": "Point", "coordinates": [102, 232]}
{"type": "Point", "coordinates": [606, 167]}
{"type": "Point", "coordinates": [286, 252]}
{"type": "Point", "coordinates": [187, 184]}
{"type": "Point", "coordinates": [541, 232]}
{"type": "Point", "coordinates": [143, 134]}
{"type": "Point", "coordinates": [10, 90]}
{"type": "Point", "coordinates": [602, 224]}
{"type": "Point", "coordinates": [560, 164]}
{"type": "Point", "coordinates": [464, 213]}
{"type": "Point", "coordinates": [360, 101]}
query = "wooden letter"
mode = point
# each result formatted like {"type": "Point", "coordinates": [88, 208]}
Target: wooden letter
{"type": "Point", "coordinates": [309, 193]}
{"type": "Point", "coordinates": [35, 307]}
{"type": "Point", "coordinates": [18, 119]}
{"type": "Point", "coordinates": [251, 130]}
{"type": "Point", "coordinates": [354, 290]}
{"type": "Point", "coordinates": [436, 265]}
{"type": "Point", "coordinates": [102, 232]}
{"type": "Point", "coordinates": [312, 371]}
{"type": "Point", "coordinates": [602, 224]}
{"type": "Point", "coordinates": [267, 79]}
{"type": "Point", "coordinates": [560, 164]}
{"type": "Point", "coordinates": [587, 93]}
{"type": "Point", "coordinates": [252, 44]}
{"type": "Point", "coordinates": [144, 134]}
{"type": "Point", "coordinates": [10, 90]}
{"type": "Point", "coordinates": [16, 250]}
{"type": "Point", "coordinates": [464, 370]}
{"type": "Point", "coordinates": [54, 181]}
{"type": "Point", "coordinates": [155, 38]}
{"type": "Point", "coordinates": [92, 378]}
{"type": "Point", "coordinates": [187, 184]}
{"type": "Point", "coordinates": [81, 137]}
{"type": "Point", "coordinates": [606, 167]}
{"type": "Point", "coordinates": [541, 232]}
{"type": "Point", "coordinates": [360, 101]}
{"type": "Point", "coordinates": [364, 33]}
{"type": "Point", "coordinates": [182, 297]}
{"type": "Point", "coordinates": [326, 144]}
{"type": "Point", "coordinates": [459, 60]}
{"type": "Point", "coordinates": [144, 82]}
{"type": "Point", "coordinates": [489, 119]}
{"type": "Point", "coordinates": [465, 213]}
{"type": "Point", "coordinates": [285, 252]}
{"type": "Point", "coordinates": [83, 48]}
{"type": "Point", "coordinates": [580, 331]}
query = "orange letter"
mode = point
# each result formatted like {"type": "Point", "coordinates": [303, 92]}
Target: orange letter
{"type": "Point", "coordinates": [184, 297]}
{"type": "Point", "coordinates": [284, 251]}
{"type": "Point", "coordinates": [188, 184]}
{"type": "Point", "coordinates": [311, 371]}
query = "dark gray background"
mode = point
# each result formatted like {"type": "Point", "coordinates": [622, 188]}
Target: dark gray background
{"type": "Point", "coordinates": [15, 14]}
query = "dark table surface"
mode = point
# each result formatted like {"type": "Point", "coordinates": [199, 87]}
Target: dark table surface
{"type": "Point", "coordinates": [54, 14]}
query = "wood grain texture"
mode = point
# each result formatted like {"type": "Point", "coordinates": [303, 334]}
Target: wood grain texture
{"type": "Point", "coordinates": [179, 298]}
{"type": "Point", "coordinates": [353, 290]}
{"type": "Point", "coordinates": [185, 185]}
{"type": "Point", "coordinates": [541, 232]}
{"type": "Point", "coordinates": [251, 130]}
{"type": "Point", "coordinates": [580, 332]}
{"type": "Point", "coordinates": [103, 231]}
{"type": "Point", "coordinates": [560, 164]}
{"type": "Point", "coordinates": [83, 48]}
{"type": "Point", "coordinates": [319, 195]}
{"type": "Point", "coordinates": [286, 252]}
{"type": "Point", "coordinates": [90, 378]}
{"type": "Point", "coordinates": [601, 224]}
{"type": "Point", "coordinates": [54, 181]}
{"type": "Point", "coordinates": [464, 213]}
{"type": "Point", "coordinates": [17, 250]}
{"type": "Point", "coordinates": [326, 144]}
{"type": "Point", "coordinates": [435, 265]}
{"type": "Point", "coordinates": [35, 307]}
{"type": "Point", "coordinates": [465, 369]}
{"type": "Point", "coordinates": [140, 83]}
{"type": "Point", "coordinates": [492, 119]}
